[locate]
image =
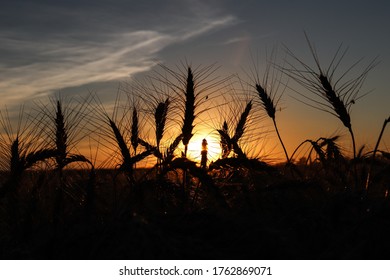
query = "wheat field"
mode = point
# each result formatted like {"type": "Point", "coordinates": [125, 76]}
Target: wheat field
{"type": "Point", "coordinates": [83, 180]}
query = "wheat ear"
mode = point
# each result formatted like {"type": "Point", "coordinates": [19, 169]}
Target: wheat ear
{"type": "Point", "coordinates": [189, 111]}
{"type": "Point", "coordinates": [134, 131]}
{"type": "Point", "coordinates": [61, 136]}
{"type": "Point", "coordinates": [126, 157]}
{"type": "Point", "coordinates": [160, 117]}
{"type": "Point", "coordinates": [268, 104]}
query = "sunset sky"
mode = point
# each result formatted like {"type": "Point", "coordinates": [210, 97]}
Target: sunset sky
{"type": "Point", "coordinates": [75, 46]}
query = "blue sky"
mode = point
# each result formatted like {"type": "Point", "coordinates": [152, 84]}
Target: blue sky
{"type": "Point", "coordinates": [71, 46]}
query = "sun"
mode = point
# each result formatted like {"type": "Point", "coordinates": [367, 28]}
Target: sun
{"type": "Point", "coordinates": [195, 147]}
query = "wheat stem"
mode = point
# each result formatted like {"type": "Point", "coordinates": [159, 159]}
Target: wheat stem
{"type": "Point", "coordinates": [386, 121]}
{"type": "Point", "coordinates": [281, 141]}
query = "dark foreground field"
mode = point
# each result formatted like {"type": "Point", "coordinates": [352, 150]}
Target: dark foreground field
{"type": "Point", "coordinates": [257, 215]}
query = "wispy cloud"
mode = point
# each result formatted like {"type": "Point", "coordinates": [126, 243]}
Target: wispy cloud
{"type": "Point", "coordinates": [60, 65]}
{"type": "Point", "coordinates": [236, 40]}
{"type": "Point", "coordinates": [207, 25]}
{"type": "Point", "coordinates": [55, 60]}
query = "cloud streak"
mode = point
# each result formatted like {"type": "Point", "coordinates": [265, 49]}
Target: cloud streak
{"type": "Point", "coordinates": [43, 63]}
